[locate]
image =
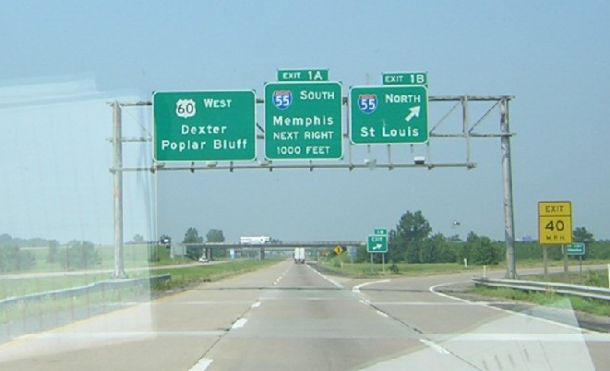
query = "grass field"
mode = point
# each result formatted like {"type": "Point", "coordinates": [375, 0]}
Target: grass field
{"type": "Point", "coordinates": [548, 299]}
{"type": "Point", "coordinates": [182, 278]}
{"type": "Point", "coordinates": [342, 266]}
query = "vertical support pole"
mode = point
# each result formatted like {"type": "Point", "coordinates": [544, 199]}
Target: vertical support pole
{"type": "Point", "coordinates": [509, 220]}
{"type": "Point", "coordinates": [117, 169]}
{"type": "Point", "coordinates": [382, 262]}
{"type": "Point", "coordinates": [565, 258]}
{"type": "Point", "coordinates": [465, 126]}
{"type": "Point", "coordinates": [545, 261]}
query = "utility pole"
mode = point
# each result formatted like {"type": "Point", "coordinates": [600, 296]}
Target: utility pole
{"type": "Point", "coordinates": [117, 170]}
{"type": "Point", "coordinates": [507, 177]}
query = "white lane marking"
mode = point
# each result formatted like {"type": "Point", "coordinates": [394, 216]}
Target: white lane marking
{"type": "Point", "coordinates": [522, 337]}
{"type": "Point", "coordinates": [432, 289]}
{"type": "Point", "coordinates": [326, 278]}
{"type": "Point", "coordinates": [256, 305]}
{"type": "Point", "coordinates": [202, 365]}
{"type": "Point", "coordinates": [239, 323]}
{"type": "Point", "coordinates": [356, 289]}
{"type": "Point", "coordinates": [433, 303]}
{"type": "Point", "coordinates": [433, 345]}
{"type": "Point", "coordinates": [382, 314]}
{"type": "Point", "coordinates": [118, 334]}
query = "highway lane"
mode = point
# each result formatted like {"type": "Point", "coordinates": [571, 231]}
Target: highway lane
{"type": "Point", "coordinates": [290, 316]}
{"type": "Point", "coordinates": [484, 333]}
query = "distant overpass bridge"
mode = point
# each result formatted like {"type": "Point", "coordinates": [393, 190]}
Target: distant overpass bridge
{"type": "Point", "coordinates": [207, 248]}
{"type": "Point", "coordinates": [277, 245]}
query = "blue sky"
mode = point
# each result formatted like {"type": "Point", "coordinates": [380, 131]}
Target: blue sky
{"type": "Point", "coordinates": [63, 60]}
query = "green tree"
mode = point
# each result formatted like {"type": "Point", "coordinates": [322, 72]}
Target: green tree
{"type": "Point", "coordinates": [79, 255]}
{"type": "Point", "coordinates": [215, 235]}
{"type": "Point", "coordinates": [138, 238]}
{"type": "Point", "coordinates": [581, 234]}
{"type": "Point", "coordinates": [481, 250]}
{"type": "Point", "coordinates": [406, 242]}
{"type": "Point", "coordinates": [53, 254]}
{"type": "Point", "coordinates": [192, 236]}
{"type": "Point", "coordinates": [12, 258]}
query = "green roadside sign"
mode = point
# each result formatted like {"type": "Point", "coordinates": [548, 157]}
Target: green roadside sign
{"type": "Point", "coordinates": [303, 121]}
{"type": "Point", "coordinates": [576, 249]}
{"type": "Point", "coordinates": [405, 78]}
{"type": "Point", "coordinates": [390, 114]}
{"type": "Point", "coordinates": [381, 231]}
{"type": "Point", "coordinates": [204, 126]}
{"type": "Point", "coordinates": [377, 243]}
{"type": "Point", "coordinates": [302, 75]}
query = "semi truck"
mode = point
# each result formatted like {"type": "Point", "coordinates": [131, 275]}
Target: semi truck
{"type": "Point", "coordinates": [299, 255]}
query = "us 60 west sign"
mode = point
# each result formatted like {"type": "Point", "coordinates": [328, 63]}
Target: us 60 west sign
{"type": "Point", "coordinates": [204, 126]}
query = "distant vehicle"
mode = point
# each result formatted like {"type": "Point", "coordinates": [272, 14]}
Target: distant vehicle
{"type": "Point", "coordinates": [203, 259]}
{"type": "Point", "coordinates": [254, 240]}
{"type": "Point", "coordinates": [299, 255]}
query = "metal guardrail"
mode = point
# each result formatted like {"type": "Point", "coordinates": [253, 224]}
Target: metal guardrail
{"type": "Point", "coordinates": [83, 290]}
{"type": "Point", "coordinates": [559, 288]}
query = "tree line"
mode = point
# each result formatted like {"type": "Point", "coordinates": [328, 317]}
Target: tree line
{"type": "Point", "coordinates": [413, 241]}
{"type": "Point", "coordinates": [14, 257]}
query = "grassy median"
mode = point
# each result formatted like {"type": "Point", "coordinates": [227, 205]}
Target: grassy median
{"type": "Point", "coordinates": [550, 299]}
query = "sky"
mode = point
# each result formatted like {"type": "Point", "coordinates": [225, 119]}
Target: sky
{"type": "Point", "coordinates": [64, 60]}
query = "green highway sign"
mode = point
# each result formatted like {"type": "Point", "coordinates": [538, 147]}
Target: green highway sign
{"type": "Point", "coordinates": [576, 249]}
{"type": "Point", "coordinates": [405, 78]}
{"type": "Point", "coordinates": [389, 114]}
{"type": "Point", "coordinates": [303, 121]}
{"type": "Point", "coordinates": [204, 126]}
{"type": "Point", "coordinates": [377, 243]}
{"type": "Point", "coordinates": [303, 75]}
{"type": "Point", "coordinates": [381, 231]}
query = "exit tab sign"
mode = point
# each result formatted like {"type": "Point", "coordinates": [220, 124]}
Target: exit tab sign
{"type": "Point", "coordinates": [405, 78]}
{"type": "Point", "coordinates": [302, 75]}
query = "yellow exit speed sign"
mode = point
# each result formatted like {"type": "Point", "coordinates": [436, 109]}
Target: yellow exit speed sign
{"type": "Point", "coordinates": [555, 223]}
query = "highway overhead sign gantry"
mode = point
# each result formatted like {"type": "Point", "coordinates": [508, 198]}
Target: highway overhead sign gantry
{"type": "Point", "coordinates": [389, 114]}
{"type": "Point", "coordinates": [303, 121]}
{"type": "Point", "coordinates": [204, 126]}
{"type": "Point", "coordinates": [555, 222]}
{"type": "Point", "coordinates": [377, 243]}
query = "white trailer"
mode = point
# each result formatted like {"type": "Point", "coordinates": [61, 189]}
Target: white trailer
{"type": "Point", "coordinates": [299, 255]}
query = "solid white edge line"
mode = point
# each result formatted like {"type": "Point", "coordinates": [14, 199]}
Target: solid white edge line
{"type": "Point", "coordinates": [382, 314]}
{"type": "Point", "coordinates": [239, 323]}
{"type": "Point", "coordinates": [326, 278]}
{"type": "Point", "coordinates": [256, 305]}
{"type": "Point", "coordinates": [432, 289]}
{"type": "Point", "coordinates": [356, 289]}
{"type": "Point", "coordinates": [433, 345]}
{"type": "Point", "coordinates": [202, 365]}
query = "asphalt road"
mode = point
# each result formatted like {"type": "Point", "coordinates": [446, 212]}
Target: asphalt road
{"type": "Point", "coordinates": [292, 317]}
